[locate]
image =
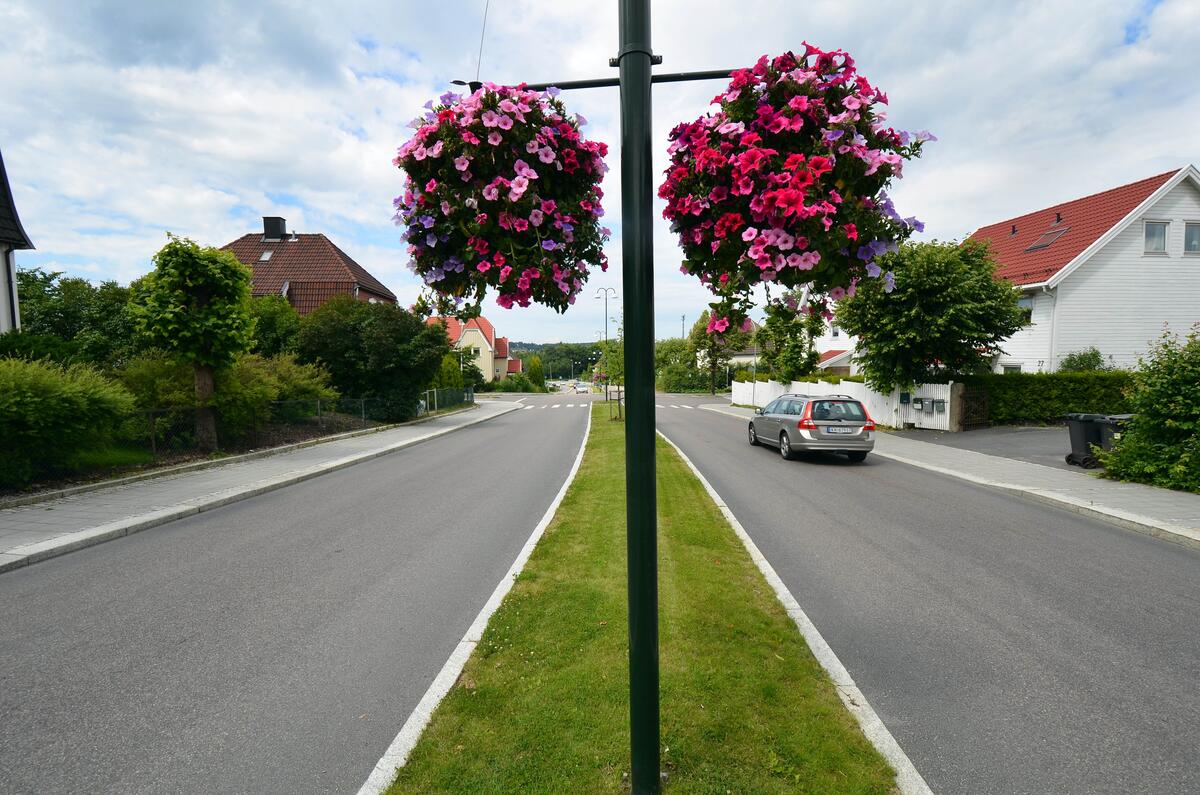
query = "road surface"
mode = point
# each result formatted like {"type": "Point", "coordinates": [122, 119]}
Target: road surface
{"type": "Point", "coordinates": [273, 645]}
{"type": "Point", "coordinates": [1009, 646]}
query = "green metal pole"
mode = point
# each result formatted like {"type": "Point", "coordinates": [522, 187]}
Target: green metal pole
{"type": "Point", "coordinates": [637, 252]}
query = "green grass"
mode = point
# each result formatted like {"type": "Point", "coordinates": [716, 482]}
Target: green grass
{"type": "Point", "coordinates": [541, 706]}
{"type": "Point", "coordinates": [112, 457]}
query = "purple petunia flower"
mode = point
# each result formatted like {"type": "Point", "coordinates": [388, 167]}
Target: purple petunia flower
{"type": "Point", "coordinates": [549, 245]}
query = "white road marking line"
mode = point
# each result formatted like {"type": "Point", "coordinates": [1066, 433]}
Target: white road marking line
{"type": "Point", "coordinates": [397, 753]}
{"type": "Point", "coordinates": [530, 407]}
{"type": "Point", "coordinates": [556, 405]}
{"type": "Point", "coordinates": [569, 406]}
{"type": "Point", "coordinates": [908, 780]}
{"type": "Point", "coordinates": [674, 406]}
{"type": "Point", "coordinates": [686, 406]}
{"type": "Point", "coordinates": [659, 405]}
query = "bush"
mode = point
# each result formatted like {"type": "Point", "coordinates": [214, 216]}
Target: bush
{"type": "Point", "coordinates": [256, 390]}
{"type": "Point", "coordinates": [35, 347]}
{"type": "Point", "coordinates": [1161, 445]}
{"type": "Point", "coordinates": [1046, 397]}
{"type": "Point", "coordinates": [49, 414]}
{"type": "Point", "coordinates": [517, 382]}
{"type": "Point", "coordinates": [1088, 360]}
{"type": "Point", "coordinates": [276, 325]}
{"type": "Point", "coordinates": [682, 378]}
{"type": "Point", "coordinates": [157, 380]}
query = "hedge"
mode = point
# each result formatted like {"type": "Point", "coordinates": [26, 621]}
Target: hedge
{"type": "Point", "coordinates": [1045, 397]}
{"type": "Point", "coordinates": [49, 414]}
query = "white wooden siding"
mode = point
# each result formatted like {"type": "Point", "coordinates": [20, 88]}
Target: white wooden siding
{"type": "Point", "coordinates": [884, 409]}
{"type": "Point", "coordinates": [1120, 299]}
{"type": "Point", "coordinates": [1030, 347]}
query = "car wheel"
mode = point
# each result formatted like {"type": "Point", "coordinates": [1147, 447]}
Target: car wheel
{"type": "Point", "coordinates": [857, 456]}
{"type": "Point", "coordinates": [753, 436]}
{"type": "Point", "coordinates": [785, 447]}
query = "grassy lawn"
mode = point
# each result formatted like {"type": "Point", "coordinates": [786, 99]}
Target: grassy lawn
{"type": "Point", "coordinates": [541, 706]}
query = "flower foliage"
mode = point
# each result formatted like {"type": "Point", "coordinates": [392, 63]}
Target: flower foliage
{"type": "Point", "coordinates": [502, 191]}
{"type": "Point", "coordinates": [786, 182]}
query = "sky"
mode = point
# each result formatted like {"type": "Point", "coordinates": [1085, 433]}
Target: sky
{"type": "Point", "coordinates": [123, 120]}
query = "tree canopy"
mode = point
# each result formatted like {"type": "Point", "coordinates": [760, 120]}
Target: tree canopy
{"type": "Point", "coordinates": [947, 316]}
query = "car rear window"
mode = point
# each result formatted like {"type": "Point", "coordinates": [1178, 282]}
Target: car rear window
{"type": "Point", "coordinates": [849, 410]}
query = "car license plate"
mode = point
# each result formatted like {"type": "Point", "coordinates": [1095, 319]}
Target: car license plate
{"type": "Point", "coordinates": [839, 429]}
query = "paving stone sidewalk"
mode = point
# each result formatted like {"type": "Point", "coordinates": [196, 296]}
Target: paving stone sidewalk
{"type": "Point", "coordinates": [34, 532]}
{"type": "Point", "coordinates": [1163, 513]}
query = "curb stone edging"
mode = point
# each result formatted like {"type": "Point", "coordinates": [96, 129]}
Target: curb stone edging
{"type": "Point", "coordinates": [1145, 525]}
{"type": "Point", "coordinates": [909, 781]}
{"type": "Point", "coordinates": [19, 557]}
{"type": "Point", "coordinates": [193, 466]}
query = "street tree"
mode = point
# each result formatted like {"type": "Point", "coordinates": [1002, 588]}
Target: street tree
{"type": "Point", "coordinates": [712, 351]}
{"type": "Point", "coordinates": [535, 373]}
{"type": "Point", "coordinates": [947, 315]}
{"type": "Point", "coordinates": [194, 304]}
{"type": "Point", "coordinates": [96, 320]}
{"type": "Point", "coordinates": [787, 341]}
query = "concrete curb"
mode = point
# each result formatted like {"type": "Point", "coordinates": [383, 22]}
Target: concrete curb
{"type": "Point", "coordinates": [1177, 534]}
{"type": "Point", "coordinates": [83, 488]}
{"type": "Point", "coordinates": [909, 780]}
{"type": "Point", "coordinates": [18, 557]}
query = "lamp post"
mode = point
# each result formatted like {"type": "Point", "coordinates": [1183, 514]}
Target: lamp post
{"type": "Point", "coordinates": [604, 291]}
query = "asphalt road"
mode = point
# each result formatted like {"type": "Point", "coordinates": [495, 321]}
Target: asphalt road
{"type": "Point", "coordinates": [277, 644]}
{"type": "Point", "coordinates": [1010, 647]}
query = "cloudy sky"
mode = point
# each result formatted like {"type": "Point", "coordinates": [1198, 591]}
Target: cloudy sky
{"type": "Point", "coordinates": [122, 120]}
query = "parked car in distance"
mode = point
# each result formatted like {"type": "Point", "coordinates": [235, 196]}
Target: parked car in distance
{"type": "Point", "coordinates": [807, 423]}
{"type": "Point", "coordinates": [583, 387]}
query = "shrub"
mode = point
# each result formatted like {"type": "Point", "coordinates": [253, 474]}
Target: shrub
{"type": "Point", "coordinates": [157, 380]}
{"type": "Point", "coordinates": [1088, 360]}
{"type": "Point", "coordinates": [49, 414]}
{"type": "Point", "coordinates": [34, 347]}
{"type": "Point", "coordinates": [517, 382]}
{"type": "Point", "coordinates": [682, 378]}
{"type": "Point", "coordinates": [1046, 397]}
{"type": "Point", "coordinates": [1161, 445]}
{"type": "Point", "coordinates": [276, 324]}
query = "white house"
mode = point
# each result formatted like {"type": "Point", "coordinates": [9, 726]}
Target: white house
{"type": "Point", "coordinates": [12, 238]}
{"type": "Point", "coordinates": [1109, 271]}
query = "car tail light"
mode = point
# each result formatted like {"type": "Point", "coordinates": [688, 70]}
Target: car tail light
{"type": "Point", "coordinates": [806, 423]}
{"type": "Point", "coordinates": [869, 425]}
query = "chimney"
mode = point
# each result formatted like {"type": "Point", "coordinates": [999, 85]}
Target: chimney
{"type": "Point", "coordinates": [274, 229]}
{"type": "Point", "coordinates": [1014, 230]}
{"type": "Point", "coordinates": [1058, 218]}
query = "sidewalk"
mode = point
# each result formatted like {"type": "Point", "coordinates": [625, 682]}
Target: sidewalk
{"type": "Point", "coordinates": [30, 533]}
{"type": "Point", "coordinates": [1171, 515]}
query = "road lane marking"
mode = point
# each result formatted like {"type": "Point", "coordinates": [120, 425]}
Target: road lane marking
{"type": "Point", "coordinates": [686, 406]}
{"type": "Point", "coordinates": [397, 753]}
{"type": "Point", "coordinates": [674, 406]}
{"type": "Point", "coordinates": [659, 405]}
{"type": "Point", "coordinates": [908, 780]}
{"type": "Point", "coordinates": [530, 407]}
{"type": "Point", "coordinates": [556, 405]}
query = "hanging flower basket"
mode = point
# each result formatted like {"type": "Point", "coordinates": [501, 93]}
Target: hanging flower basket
{"type": "Point", "coordinates": [501, 191]}
{"type": "Point", "coordinates": [786, 183]}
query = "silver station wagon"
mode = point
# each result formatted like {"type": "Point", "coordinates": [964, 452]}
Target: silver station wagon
{"type": "Point", "coordinates": [805, 423]}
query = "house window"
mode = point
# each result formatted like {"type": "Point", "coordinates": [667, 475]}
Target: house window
{"type": "Point", "coordinates": [833, 330]}
{"type": "Point", "coordinates": [1156, 237]}
{"type": "Point", "coordinates": [1191, 238]}
{"type": "Point", "coordinates": [1011, 369]}
{"type": "Point", "coordinates": [1026, 305]}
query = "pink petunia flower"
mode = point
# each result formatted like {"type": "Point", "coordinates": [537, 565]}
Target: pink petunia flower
{"type": "Point", "coordinates": [494, 138]}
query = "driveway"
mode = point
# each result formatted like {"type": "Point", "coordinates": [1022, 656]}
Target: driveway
{"type": "Point", "coordinates": [1046, 445]}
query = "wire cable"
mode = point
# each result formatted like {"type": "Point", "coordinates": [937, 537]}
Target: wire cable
{"type": "Point", "coordinates": [482, 30]}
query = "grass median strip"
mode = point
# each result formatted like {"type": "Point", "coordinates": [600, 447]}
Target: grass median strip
{"type": "Point", "coordinates": [541, 706]}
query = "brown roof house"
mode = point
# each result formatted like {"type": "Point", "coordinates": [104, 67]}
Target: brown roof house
{"type": "Point", "coordinates": [306, 269]}
{"type": "Point", "coordinates": [12, 238]}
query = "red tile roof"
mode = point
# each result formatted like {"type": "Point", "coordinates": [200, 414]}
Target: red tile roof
{"type": "Point", "coordinates": [304, 259]}
{"type": "Point", "coordinates": [454, 328]}
{"type": "Point", "coordinates": [1085, 220]}
{"type": "Point", "coordinates": [501, 347]}
{"type": "Point", "coordinates": [827, 355]}
{"type": "Point", "coordinates": [515, 366]}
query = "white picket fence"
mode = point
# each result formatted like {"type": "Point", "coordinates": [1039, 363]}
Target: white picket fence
{"type": "Point", "coordinates": [884, 409]}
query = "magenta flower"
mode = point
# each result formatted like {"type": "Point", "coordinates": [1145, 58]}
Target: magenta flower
{"type": "Point", "coordinates": [749, 234]}
{"type": "Point", "coordinates": [490, 118]}
{"type": "Point", "coordinates": [494, 138]}
{"type": "Point", "coordinates": [461, 163]}
{"type": "Point", "coordinates": [546, 154]}
{"type": "Point", "coordinates": [536, 217]}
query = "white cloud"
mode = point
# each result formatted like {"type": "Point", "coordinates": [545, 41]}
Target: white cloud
{"type": "Point", "coordinates": [134, 118]}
